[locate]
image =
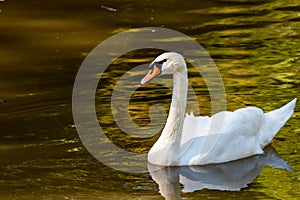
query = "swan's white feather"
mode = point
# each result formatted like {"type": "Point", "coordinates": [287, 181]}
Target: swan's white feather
{"type": "Point", "coordinates": [229, 136]}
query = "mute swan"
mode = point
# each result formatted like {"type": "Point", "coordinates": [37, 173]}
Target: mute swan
{"type": "Point", "coordinates": [226, 136]}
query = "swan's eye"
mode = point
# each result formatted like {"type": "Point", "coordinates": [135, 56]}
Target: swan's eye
{"type": "Point", "coordinates": [158, 65]}
{"type": "Point", "coordinates": [162, 61]}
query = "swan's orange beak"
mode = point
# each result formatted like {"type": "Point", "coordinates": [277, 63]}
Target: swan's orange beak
{"type": "Point", "coordinates": [151, 74]}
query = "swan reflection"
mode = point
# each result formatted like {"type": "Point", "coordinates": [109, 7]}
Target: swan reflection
{"type": "Point", "coordinates": [231, 176]}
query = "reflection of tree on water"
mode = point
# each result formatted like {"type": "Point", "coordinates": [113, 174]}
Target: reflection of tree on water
{"type": "Point", "coordinates": [230, 176]}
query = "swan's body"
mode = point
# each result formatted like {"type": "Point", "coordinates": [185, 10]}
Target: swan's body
{"type": "Point", "coordinates": [226, 136]}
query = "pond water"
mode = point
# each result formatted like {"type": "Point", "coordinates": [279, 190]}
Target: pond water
{"type": "Point", "coordinates": [255, 45]}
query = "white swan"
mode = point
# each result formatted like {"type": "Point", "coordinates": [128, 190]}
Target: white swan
{"type": "Point", "coordinates": [226, 136]}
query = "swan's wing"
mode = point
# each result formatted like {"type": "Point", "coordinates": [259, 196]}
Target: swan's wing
{"type": "Point", "coordinates": [223, 137]}
{"type": "Point", "coordinates": [194, 127]}
{"type": "Point", "coordinates": [229, 136]}
{"type": "Point", "coordinates": [242, 122]}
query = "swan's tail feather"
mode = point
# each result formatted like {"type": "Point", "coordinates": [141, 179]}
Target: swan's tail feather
{"type": "Point", "coordinates": [282, 114]}
{"type": "Point", "coordinates": [274, 121]}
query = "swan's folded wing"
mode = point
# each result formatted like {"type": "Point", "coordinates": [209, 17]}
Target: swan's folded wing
{"type": "Point", "coordinates": [212, 139]}
{"type": "Point", "coordinates": [194, 127]}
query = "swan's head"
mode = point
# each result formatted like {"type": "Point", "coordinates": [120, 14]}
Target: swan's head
{"type": "Point", "coordinates": [166, 63]}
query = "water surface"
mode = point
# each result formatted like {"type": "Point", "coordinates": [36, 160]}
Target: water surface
{"type": "Point", "coordinates": [255, 45]}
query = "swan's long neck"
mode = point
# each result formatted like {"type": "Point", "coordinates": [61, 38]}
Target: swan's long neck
{"type": "Point", "coordinates": [166, 150]}
{"type": "Point", "coordinates": [173, 127]}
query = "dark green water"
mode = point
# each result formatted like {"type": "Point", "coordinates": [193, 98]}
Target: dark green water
{"type": "Point", "coordinates": [255, 45]}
